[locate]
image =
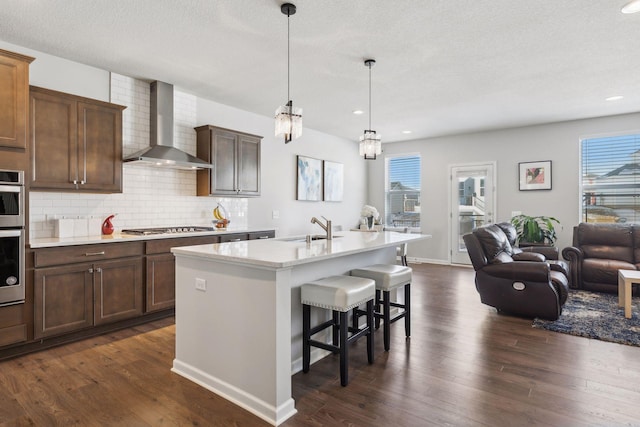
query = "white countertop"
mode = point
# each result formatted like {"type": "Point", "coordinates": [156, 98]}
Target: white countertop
{"type": "Point", "coordinates": [116, 237]}
{"type": "Point", "coordinates": [290, 251]}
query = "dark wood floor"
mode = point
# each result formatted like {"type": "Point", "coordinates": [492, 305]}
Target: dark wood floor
{"type": "Point", "coordinates": [464, 365]}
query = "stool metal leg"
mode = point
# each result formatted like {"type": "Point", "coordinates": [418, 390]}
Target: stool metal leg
{"type": "Point", "coordinates": [407, 309]}
{"type": "Point", "coordinates": [336, 332]}
{"type": "Point", "coordinates": [377, 308]}
{"type": "Point", "coordinates": [306, 328]}
{"type": "Point", "coordinates": [386, 317]}
{"type": "Point", "coordinates": [344, 354]}
{"type": "Point", "coordinates": [370, 333]}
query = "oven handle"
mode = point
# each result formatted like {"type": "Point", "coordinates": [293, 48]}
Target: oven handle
{"type": "Point", "coordinates": [11, 188]}
{"type": "Point", "coordinates": [7, 304]}
{"type": "Point", "coordinates": [15, 232]}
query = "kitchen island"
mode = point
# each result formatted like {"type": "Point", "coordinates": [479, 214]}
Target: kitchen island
{"type": "Point", "coordinates": [239, 317]}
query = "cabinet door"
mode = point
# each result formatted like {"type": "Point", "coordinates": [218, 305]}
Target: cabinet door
{"type": "Point", "coordinates": [161, 287]}
{"type": "Point", "coordinates": [248, 171]}
{"type": "Point", "coordinates": [14, 85]}
{"type": "Point", "coordinates": [100, 148]}
{"type": "Point", "coordinates": [223, 158]}
{"type": "Point", "coordinates": [54, 149]}
{"type": "Point", "coordinates": [117, 290]}
{"type": "Point", "coordinates": [63, 299]}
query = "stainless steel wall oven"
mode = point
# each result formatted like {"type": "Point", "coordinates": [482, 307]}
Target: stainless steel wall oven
{"type": "Point", "coordinates": [12, 235]}
{"type": "Point", "coordinates": [11, 199]}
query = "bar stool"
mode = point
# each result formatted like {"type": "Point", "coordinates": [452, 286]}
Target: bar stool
{"type": "Point", "coordinates": [340, 294]}
{"type": "Point", "coordinates": [387, 278]}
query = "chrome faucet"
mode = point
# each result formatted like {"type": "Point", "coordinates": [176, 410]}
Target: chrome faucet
{"type": "Point", "coordinates": [326, 228]}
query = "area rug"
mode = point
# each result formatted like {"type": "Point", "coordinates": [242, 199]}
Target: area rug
{"type": "Point", "coordinates": [596, 315]}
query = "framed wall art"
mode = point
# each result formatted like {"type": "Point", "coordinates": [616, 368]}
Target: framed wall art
{"type": "Point", "coordinates": [333, 181]}
{"type": "Point", "coordinates": [535, 175]}
{"type": "Point", "coordinates": [309, 184]}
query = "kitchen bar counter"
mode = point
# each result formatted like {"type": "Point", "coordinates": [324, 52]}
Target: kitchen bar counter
{"type": "Point", "coordinates": [116, 237]}
{"type": "Point", "coordinates": [239, 316]}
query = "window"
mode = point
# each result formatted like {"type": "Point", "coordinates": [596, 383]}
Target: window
{"type": "Point", "coordinates": [611, 179]}
{"type": "Point", "coordinates": [402, 201]}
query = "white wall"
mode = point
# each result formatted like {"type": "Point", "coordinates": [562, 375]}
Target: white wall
{"type": "Point", "coordinates": [154, 197]}
{"type": "Point", "coordinates": [558, 142]}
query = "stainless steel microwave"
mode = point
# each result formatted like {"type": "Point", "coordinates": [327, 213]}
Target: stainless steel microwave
{"type": "Point", "coordinates": [11, 199]}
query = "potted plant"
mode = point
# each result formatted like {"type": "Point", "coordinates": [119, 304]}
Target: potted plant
{"type": "Point", "coordinates": [535, 230]}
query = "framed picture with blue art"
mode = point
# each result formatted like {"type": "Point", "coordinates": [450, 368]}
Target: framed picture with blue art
{"type": "Point", "coordinates": [309, 179]}
{"type": "Point", "coordinates": [333, 181]}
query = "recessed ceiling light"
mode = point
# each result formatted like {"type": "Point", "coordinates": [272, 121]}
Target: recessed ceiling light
{"type": "Point", "coordinates": [357, 112]}
{"type": "Point", "coordinates": [406, 131]}
{"type": "Point", "coordinates": [614, 98]}
{"type": "Point", "coordinates": [632, 7]}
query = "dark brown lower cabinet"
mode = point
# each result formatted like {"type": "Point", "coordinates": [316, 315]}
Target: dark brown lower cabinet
{"type": "Point", "coordinates": [117, 288]}
{"type": "Point", "coordinates": [161, 273]}
{"type": "Point", "coordinates": [73, 297]}
{"type": "Point", "coordinates": [13, 328]}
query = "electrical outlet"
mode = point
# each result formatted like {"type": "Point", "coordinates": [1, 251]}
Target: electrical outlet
{"type": "Point", "coordinates": [275, 214]}
{"type": "Point", "coordinates": [201, 285]}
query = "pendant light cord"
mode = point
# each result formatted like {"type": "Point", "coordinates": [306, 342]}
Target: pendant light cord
{"type": "Point", "coordinates": [288, 58]}
{"type": "Point", "coordinates": [369, 96]}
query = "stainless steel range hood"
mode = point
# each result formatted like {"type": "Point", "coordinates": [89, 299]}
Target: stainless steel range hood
{"type": "Point", "coordinates": [161, 152]}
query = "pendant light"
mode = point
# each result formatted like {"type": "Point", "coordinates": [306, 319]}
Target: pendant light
{"type": "Point", "coordinates": [370, 144]}
{"type": "Point", "coordinates": [288, 118]}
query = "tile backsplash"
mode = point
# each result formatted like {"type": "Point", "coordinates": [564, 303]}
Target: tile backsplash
{"type": "Point", "coordinates": [151, 196]}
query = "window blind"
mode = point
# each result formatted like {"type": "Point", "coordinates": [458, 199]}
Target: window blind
{"type": "Point", "coordinates": [611, 179]}
{"type": "Point", "coordinates": [402, 201]}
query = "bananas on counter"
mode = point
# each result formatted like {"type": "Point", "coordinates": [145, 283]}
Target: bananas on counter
{"type": "Point", "coordinates": [221, 215]}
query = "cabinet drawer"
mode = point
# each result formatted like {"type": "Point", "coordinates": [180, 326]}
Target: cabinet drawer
{"type": "Point", "coordinates": [234, 237]}
{"type": "Point", "coordinates": [86, 253]}
{"type": "Point", "coordinates": [164, 245]}
{"type": "Point", "coordinates": [262, 235]}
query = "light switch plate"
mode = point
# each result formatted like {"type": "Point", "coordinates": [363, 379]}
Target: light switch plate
{"type": "Point", "coordinates": [275, 214]}
{"type": "Point", "coordinates": [201, 285]}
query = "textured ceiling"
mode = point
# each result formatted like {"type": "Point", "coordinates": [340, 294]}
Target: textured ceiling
{"type": "Point", "coordinates": [443, 66]}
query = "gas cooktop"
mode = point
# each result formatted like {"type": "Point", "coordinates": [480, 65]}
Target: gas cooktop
{"type": "Point", "coordinates": [167, 230]}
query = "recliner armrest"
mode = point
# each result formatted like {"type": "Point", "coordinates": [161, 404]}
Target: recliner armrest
{"type": "Point", "coordinates": [529, 256]}
{"type": "Point", "coordinates": [520, 271]}
{"type": "Point", "coordinates": [575, 256]}
{"type": "Point", "coordinates": [549, 252]}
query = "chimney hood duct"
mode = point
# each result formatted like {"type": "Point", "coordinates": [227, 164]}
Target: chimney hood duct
{"type": "Point", "coordinates": [161, 152]}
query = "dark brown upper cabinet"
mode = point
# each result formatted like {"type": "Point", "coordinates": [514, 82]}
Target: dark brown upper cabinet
{"type": "Point", "coordinates": [235, 157]}
{"type": "Point", "coordinates": [76, 143]}
{"type": "Point", "coordinates": [14, 89]}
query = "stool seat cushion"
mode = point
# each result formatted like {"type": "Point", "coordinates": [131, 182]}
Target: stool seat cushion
{"type": "Point", "coordinates": [386, 276]}
{"type": "Point", "coordinates": [339, 293]}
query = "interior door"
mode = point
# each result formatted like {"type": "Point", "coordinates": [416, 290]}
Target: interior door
{"type": "Point", "coordinates": [473, 203]}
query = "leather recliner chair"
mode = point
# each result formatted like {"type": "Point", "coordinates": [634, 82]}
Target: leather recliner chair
{"type": "Point", "coordinates": [518, 283]}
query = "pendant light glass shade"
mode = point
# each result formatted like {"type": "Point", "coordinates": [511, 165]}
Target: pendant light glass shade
{"type": "Point", "coordinates": [370, 142]}
{"type": "Point", "coordinates": [288, 117]}
{"type": "Point", "coordinates": [370, 145]}
{"type": "Point", "coordinates": [289, 122]}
